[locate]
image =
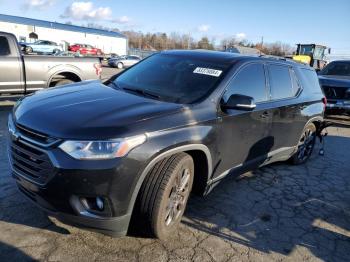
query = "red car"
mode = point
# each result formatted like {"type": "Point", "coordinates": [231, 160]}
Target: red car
{"type": "Point", "coordinates": [85, 49]}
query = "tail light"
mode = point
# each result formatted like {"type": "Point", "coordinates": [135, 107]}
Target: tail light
{"type": "Point", "coordinates": [324, 100]}
{"type": "Point", "coordinates": [98, 68]}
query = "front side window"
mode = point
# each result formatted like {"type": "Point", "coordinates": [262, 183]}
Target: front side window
{"type": "Point", "coordinates": [249, 81]}
{"type": "Point", "coordinates": [280, 82]}
{"type": "Point", "coordinates": [174, 78]}
{"type": "Point", "coordinates": [4, 46]}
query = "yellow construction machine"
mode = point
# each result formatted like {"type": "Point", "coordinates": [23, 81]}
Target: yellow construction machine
{"type": "Point", "coordinates": [311, 54]}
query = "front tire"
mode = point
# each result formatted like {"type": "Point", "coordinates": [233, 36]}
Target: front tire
{"type": "Point", "coordinates": [164, 194]}
{"type": "Point", "coordinates": [305, 146]}
{"type": "Point", "coordinates": [120, 65]}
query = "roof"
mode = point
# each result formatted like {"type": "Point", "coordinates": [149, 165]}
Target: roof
{"type": "Point", "coordinates": [243, 50]}
{"type": "Point", "coordinates": [228, 57]}
{"type": "Point", "coordinates": [55, 25]}
{"type": "Point", "coordinates": [209, 55]}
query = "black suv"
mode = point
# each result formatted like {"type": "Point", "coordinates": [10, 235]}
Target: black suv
{"type": "Point", "coordinates": [335, 82]}
{"type": "Point", "coordinates": [95, 155]}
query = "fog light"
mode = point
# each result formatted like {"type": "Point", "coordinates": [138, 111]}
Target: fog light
{"type": "Point", "coordinates": [99, 203]}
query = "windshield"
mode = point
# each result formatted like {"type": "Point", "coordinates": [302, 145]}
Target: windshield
{"type": "Point", "coordinates": [337, 68]}
{"type": "Point", "coordinates": [173, 78]}
{"type": "Point", "coordinates": [306, 50]}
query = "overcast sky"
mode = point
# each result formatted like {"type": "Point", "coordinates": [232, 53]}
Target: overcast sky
{"type": "Point", "coordinates": [292, 21]}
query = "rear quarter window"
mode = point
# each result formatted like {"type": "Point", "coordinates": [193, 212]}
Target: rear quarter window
{"type": "Point", "coordinates": [310, 81]}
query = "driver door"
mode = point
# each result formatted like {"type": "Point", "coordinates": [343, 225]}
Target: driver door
{"type": "Point", "coordinates": [245, 135]}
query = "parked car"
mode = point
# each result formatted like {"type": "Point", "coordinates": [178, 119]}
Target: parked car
{"type": "Point", "coordinates": [123, 61]}
{"type": "Point", "coordinates": [41, 46]}
{"type": "Point", "coordinates": [177, 122]}
{"type": "Point", "coordinates": [85, 49]}
{"type": "Point", "coordinates": [28, 73]}
{"type": "Point", "coordinates": [335, 82]}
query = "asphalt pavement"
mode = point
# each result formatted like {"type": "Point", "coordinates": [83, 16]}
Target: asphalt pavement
{"type": "Point", "coordinates": [279, 212]}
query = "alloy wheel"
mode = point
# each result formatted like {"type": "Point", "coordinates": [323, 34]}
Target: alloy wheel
{"type": "Point", "coordinates": [178, 197]}
{"type": "Point", "coordinates": [306, 144]}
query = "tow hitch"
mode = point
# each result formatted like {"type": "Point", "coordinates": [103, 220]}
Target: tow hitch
{"type": "Point", "coordinates": [321, 134]}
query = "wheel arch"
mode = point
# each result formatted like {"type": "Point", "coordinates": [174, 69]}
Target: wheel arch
{"type": "Point", "coordinates": [317, 121]}
{"type": "Point", "coordinates": [64, 75]}
{"type": "Point", "coordinates": [198, 152]}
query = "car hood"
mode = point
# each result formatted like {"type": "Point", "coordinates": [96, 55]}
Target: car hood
{"type": "Point", "coordinates": [333, 80]}
{"type": "Point", "coordinates": [87, 110]}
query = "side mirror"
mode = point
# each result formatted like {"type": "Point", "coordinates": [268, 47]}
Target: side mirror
{"type": "Point", "coordinates": [239, 102]}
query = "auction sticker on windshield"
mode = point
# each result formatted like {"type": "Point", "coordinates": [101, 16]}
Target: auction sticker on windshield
{"type": "Point", "coordinates": [207, 71]}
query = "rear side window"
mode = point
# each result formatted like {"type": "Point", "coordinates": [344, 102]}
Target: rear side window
{"type": "Point", "coordinates": [280, 82]}
{"type": "Point", "coordinates": [4, 46]}
{"type": "Point", "coordinates": [249, 81]}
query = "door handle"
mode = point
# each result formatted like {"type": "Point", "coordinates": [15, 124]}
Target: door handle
{"type": "Point", "coordinates": [265, 115]}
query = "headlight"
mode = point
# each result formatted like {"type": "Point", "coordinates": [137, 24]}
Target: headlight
{"type": "Point", "coordinates": [108, 149]}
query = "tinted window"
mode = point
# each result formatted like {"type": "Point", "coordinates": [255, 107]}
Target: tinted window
{"type": "Point", "coordinates": [337, 68]}
{"type": "Point", "coordinates": [173, 78]}
{"type": "Point", "coordinates": [249, 81]}
{"type": "Point", "coordinates": [295, 82]}
{"type": "Point", "coordinates": [280, 82]}
{"type": "Point", "coordinates": [310, 80]}
{"type": "Point", "coordinates": [4, 46]}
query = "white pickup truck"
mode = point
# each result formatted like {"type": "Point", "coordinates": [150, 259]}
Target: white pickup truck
{"type": "Point", "coordinates": [21, 74]}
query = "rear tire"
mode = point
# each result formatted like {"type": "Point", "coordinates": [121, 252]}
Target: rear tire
{"type": "Point", "coordinates": [28, 49]}
{"type": "Point", "coordinates": [164, 194]}
{"type": "Point", "coordinates": [305, 146]}
{"type": "Point", "coordinates": [63, 82]}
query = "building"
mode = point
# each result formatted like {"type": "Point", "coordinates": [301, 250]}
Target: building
{"type": "Point", "coordinates": [30, 30]}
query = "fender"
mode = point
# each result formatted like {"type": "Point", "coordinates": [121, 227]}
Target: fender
{"type": "Point", "coordinates": [163, 155]}
{"type": "Point", "coordinates": [63, 69]}
{"type": "Point", "coordinates": [314, 119]}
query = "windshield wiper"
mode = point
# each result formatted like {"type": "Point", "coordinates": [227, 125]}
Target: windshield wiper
{"type": "Point", "coordinates": [142, 92]}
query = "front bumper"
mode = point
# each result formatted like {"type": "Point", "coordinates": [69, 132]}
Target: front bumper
{"type": "Point", "coordinates": [70, 182]}
{"type": "Point", "coordinates": [112, 226]}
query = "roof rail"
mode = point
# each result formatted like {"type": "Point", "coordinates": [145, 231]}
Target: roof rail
{"type": "Point", "coordinates": [274, 57]}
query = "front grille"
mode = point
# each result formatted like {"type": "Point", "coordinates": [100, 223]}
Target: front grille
{"type": "Point", "coordinates": [31, 162]}
{"type": "Point", "coordinates": [332, 92]}
{"type": "Point", "coordinates": [35, 136]}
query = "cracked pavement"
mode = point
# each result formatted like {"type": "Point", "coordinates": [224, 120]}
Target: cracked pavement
{"type": "Point", "coordinates": [279, 212]}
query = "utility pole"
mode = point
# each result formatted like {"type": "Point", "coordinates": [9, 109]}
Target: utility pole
{"type": "Point", "coordinates": [262, 41]}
